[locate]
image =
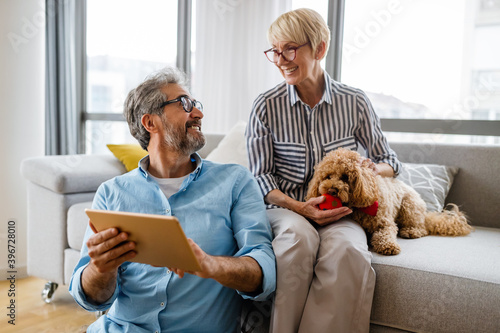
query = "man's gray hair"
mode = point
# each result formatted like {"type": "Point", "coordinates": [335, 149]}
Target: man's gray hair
{"type": "Point", "coordinates": [147, 98]}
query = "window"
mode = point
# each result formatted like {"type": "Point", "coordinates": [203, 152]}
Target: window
{"type": "Point", "coordinates": [425, 59]}
{"type": "Point", "coordinates": [125, 41]}
{"type": "Point", "coordinates": [427, 66]}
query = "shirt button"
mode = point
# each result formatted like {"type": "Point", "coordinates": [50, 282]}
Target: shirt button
{"type": "Point", "coordinates": [162, 303]}
{"type": "Point", "coordinates": [167, 211]}
{"type": "Point", "coordinates": [169, 271]}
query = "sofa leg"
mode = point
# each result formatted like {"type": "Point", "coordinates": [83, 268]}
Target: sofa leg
{"type": "Point", "coordinates": [48, 291]}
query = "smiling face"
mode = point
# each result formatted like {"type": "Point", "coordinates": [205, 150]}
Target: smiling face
{"type": "Point", "coordinates": [181, 130]}
{"type": "Point", "coordinates": [300, 70]}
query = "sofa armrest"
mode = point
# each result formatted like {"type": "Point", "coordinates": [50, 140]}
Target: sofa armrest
{"type": "Point", "coordinates": [71, 173]}
{"type": "Point", "coordinates": [54, 184]}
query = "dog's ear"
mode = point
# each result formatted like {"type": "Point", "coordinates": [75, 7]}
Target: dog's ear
{"type": "Point", "coordinates": [312, 191]}
{"type": "Point", "coordinates": [364, 191]}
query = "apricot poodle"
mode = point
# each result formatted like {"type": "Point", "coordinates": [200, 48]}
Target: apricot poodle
{"type": "Point", "coordinates": [401, 211]}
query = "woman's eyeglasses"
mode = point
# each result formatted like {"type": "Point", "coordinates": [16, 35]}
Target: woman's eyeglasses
{"type": "Point", "coordinates": [288, 55]}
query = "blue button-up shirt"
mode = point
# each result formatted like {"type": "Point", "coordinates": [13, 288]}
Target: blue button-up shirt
{"type": "Point", "coordinates": [220, 207]}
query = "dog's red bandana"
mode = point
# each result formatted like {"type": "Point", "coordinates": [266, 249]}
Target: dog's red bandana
{"type": "Point", "coordinates": [370, 210]}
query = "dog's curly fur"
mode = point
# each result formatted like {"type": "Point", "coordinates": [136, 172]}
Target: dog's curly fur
{"type": "Point", "coordinates": [401, 210]}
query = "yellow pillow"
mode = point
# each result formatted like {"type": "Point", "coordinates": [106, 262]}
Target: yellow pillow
{"type": "Point", "coordinates": [128, 154]}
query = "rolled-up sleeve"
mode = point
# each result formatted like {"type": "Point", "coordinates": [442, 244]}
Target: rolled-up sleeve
{"type": "Point", "coordinates": [252, 232]}
{"type": "Point", "coordinates": [371, 137]}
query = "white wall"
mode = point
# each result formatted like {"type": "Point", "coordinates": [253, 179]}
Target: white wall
{"type": "Point", "coordinates": [22, 59]}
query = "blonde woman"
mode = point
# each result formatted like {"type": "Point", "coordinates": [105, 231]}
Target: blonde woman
{"type": "Point", "coordinates": [325, 281]}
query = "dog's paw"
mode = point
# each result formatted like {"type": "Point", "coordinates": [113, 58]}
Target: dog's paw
{"type": "Point", "coordinates": [413, 232]}
{"type": "Point", "coordinates": [384, 242]}
{"type": "Point", "coordinates": [387, 248]}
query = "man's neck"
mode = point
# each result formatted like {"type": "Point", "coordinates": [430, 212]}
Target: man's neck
{"type": "Point", "coordinates": [169, 164]}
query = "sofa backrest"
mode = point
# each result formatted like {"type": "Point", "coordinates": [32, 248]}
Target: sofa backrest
{"type": "Point", "coordinates": [476, 187]}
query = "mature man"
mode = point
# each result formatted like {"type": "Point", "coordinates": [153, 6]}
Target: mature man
{"type": "Point", "coordinates": [219, 207]}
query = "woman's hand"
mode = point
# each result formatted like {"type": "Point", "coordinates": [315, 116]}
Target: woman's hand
{"type": "Point", "coordinates": [368, 163]}
{"type": "Point", "coordinates": [380, 169]}
{"type": "Point", "coordinates": [310, 210]}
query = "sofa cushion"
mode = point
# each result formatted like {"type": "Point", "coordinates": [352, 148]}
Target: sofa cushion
{"type": "Point", "coordinates": [431, 181]}
{"type": "Point", "coordinates": [440, 284]}
{"type": "Point", "coordinates": [128, 154]}
{"type": "Point", "coordinates": [232, 148]}
{"type": "Point", "coordinates": [77, 224]}
{"type": "Point", "coordinates": [474, 186]}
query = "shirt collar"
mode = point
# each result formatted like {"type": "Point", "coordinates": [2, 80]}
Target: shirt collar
{"type": "Point", "coordinates": [144, 165]}
{"type": "Point", "coordinates": [327, 96]}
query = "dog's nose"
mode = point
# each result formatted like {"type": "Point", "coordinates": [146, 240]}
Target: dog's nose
{"type": "Point", "coordinates": [334, 191]}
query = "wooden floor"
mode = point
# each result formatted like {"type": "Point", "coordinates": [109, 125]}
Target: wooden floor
{"type": "Point", "coordinates": [34, 315]}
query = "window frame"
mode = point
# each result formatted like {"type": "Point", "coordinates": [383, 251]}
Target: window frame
{"type": "Point", "coordinates": [333, 65]}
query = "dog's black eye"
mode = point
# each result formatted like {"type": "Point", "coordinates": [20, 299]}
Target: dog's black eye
{"type": "Point", "coordinates": [344, 178]}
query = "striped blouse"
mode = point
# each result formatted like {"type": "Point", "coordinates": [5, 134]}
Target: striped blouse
{"type": "Point", "coordinates": [286, 138]}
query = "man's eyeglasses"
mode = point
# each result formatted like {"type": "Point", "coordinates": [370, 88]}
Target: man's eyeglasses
{"type": "Point", "coordinates": [288, 55]}
{"type": "Point", "coordinates": [187, 103]}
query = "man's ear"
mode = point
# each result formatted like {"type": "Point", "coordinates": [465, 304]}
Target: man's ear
{"type": "Point", "coordinates": [321, 50]}
{"type": "Point", "coordinates": [149, 121]}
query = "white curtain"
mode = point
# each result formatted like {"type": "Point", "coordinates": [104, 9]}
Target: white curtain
{"type": "Point", "coordinates": [229, 66]}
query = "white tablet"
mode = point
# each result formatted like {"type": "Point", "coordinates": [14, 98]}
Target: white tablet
{"type": "Point", "coordinates": [160, 240]}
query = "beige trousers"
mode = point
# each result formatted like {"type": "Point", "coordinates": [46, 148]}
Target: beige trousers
{"type": "Point", "coordinates": [325, 281]}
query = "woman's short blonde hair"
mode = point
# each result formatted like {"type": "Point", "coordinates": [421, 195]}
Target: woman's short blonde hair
{"type": "Point", "coordinates": [300, 26]}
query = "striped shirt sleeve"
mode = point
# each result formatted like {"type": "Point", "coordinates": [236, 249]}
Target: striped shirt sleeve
{"type": "Point", "coordinates": [371, 137]}
{"type": "Point", "coordinates": [260, 147]}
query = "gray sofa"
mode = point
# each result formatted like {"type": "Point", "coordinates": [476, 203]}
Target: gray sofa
{"type": "Point", "coordinates": [436, 284]}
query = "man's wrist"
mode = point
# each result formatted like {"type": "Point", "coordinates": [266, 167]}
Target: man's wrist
{"type": "Point", "coordinates": [97, 287]}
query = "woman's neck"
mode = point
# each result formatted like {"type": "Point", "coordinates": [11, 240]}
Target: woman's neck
{"type": "Point", "coordinates": [311, 91]}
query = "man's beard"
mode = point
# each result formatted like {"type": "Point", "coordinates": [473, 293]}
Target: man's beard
{"type": "Point", "coordinates": [182, 141]}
